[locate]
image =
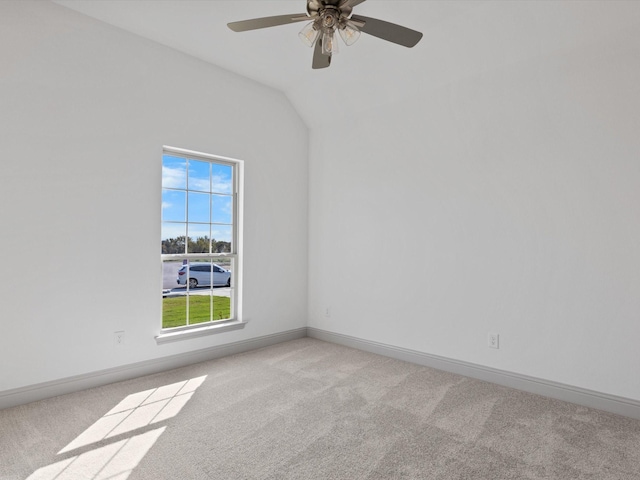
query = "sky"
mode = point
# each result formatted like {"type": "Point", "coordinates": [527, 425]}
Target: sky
{"type": "Point", "coordinates": [197, 198]}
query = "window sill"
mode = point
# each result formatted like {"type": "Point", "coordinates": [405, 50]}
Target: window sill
{"type": "Point", "coordinates": [195, 332]}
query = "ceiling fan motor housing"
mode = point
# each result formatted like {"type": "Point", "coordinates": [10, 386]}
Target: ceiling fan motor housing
{"type": "Point", "coordinates": [330, 12]}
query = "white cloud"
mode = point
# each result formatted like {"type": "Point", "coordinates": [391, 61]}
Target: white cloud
{"type": "Point", "coordinates": [200, 184]}
{"type": "Point", "coordinates": [173, 177]}
{"type": "Point", "coordinates": [173, 230]}
{"type": "Point", "coordinates": [221, 184]}
{"type": "Point", "coordinates": [221, 234]}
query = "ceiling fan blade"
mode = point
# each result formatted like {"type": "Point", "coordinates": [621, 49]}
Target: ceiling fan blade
{"type": "Point", "coordinates": [264, 22]}
{"type": "Point", "coordinates": [388, 31]}
{"type": "Point", "coordinates": [350, 3]}
{"type": "Point", "coordinates": [320, 60]}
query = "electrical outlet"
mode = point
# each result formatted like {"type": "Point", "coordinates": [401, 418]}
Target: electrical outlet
{"type": "Point", "coordinates": [494, 340]}
{"type": "Point", "coordinates": [118, 338]}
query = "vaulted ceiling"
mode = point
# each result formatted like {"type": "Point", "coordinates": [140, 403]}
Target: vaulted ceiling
{"type": "Point", "coordinates": [462, 39]}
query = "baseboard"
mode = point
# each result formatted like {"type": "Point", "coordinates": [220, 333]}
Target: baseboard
{"type": "Point", "coordinates": [589, 398]}
{"type": "Point", "coordinates": [32, 393]}
{"type": "Point", "coordinates": [568, 393]}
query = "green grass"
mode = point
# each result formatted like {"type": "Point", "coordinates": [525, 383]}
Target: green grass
{"type": "Point", "coordinates": [174, 310]}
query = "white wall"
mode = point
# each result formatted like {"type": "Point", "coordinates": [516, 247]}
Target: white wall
{"type": "Point", "coordinates": [508, 202]}
{"type": "Point", "coordinates": [84, 112]}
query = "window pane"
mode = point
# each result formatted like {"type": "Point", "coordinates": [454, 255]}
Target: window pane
{"type": "Point", "coordinates": [199, 207]}
{"type": "Point", "coordinates": [174, 301]}
{"type": "Point", "coordinates": [174, 172]}
{"type": "Point", "coordinates": [199, 178]}
{"type": "Point", "coordinates": [221, 290]}
{"type": "Point", "coordinates": [173, 235]}
{"type": "Point", "coordinates": [221, 303]}
{"type": "Point", "coordinates": [221, 208]}
{"type": "Point", "coordinates": [198, 238]}
{"type": "Point", "coordinates": [174, 311]}
{"type": "Point", "coordinates": [198, 275]}
{"type": "Point", "coordinates": [173, 206]}
{"type": "Point", "coordinates": [221, 178]}
{"type": "Point", "coordinates": [221, 235]}
{"type": "Point", "coordinates": [224, 263]}
{"type": "Point", "coordinates": [225, 277]}
{"type": "Point", "coordinates": [200, 305]}
{"type": "Point", "coordinates": [173, 276]}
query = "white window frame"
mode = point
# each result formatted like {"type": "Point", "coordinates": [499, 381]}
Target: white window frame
{"type": "Point", "coordinates": [235, 322]}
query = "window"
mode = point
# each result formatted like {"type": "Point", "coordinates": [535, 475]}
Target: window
{"type": "Point", "coordinates": [199, 240]}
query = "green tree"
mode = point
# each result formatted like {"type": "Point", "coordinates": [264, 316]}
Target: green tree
{"type": "Point", "coordinates": [173, 245]}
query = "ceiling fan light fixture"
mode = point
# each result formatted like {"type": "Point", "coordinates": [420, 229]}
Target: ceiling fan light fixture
{"type": "Point", "coordinates": [349, 33]}
{"type": "Point", "coordinates": [329, 43]}
{"type": "Point", "coordinates": [309, 34]}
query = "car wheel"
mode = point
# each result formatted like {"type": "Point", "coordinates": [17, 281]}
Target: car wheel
{"type": "Point", "coordinates": [193, 283]}
{"type": "Point", "coordinates": [229, 282]}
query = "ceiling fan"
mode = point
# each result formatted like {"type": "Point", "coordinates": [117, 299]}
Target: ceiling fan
{"type": "Point", "coordinates": [328, 17]}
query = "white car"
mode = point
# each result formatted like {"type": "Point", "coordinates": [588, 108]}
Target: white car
{"type": "Point", "coordinates": [204, 274]}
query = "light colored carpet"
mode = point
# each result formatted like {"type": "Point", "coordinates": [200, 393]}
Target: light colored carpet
{"type": "Point", "coordinates": [307, 409]}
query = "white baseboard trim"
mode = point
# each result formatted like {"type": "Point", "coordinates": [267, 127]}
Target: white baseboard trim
{"type": "Point", "coordinates": [589, 398]}
{"type": "Point", "coordinates": [568, 393]}
{"type": "Point", "coordinates": [40, 391]}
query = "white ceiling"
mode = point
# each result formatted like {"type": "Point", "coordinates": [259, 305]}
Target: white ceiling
{"type": "Point", "coordinates": [462, 38]}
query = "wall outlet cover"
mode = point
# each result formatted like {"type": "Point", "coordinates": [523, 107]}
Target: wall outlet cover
{"type": "Point", "coordinates": [118, 339]}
